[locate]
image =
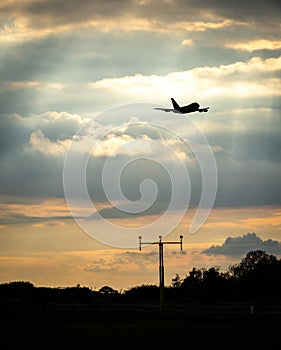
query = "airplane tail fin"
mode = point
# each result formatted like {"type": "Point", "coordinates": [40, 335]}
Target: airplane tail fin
{"type": "Point", "coordinates": [175, 105]}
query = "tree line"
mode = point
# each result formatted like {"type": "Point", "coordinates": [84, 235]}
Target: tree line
{"type": "Point", "coordinates": [256, 278]}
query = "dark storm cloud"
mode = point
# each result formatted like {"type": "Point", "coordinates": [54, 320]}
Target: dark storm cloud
{"type": "Point", "coordinates": [25, 170]}
{"type": "Point", "coordinates": [91, 54]}
{"type": "Point", "coordinates": [50, 12]}
{"type": "Point", "coordinates": [86, 57]}
{"type": "Point", "coordinates": [251, 135]}
{"type": "Point", "coordinates": [248, 160]}
{"type": "Point", "coordinates": [240, 8]}
{"type": "Point", "coordinates": [130, 181]}
{"type": "Point", "coordinates": [247, 183]}
{"type": "Point", "coordinates": [15, 130]}
{"type": "Point", "coordinates": [249, 157]}
{"type": "Point", "coordinates": [31, 173]}
{"type": "Point", "coordinates": [247, 152]}
{"type": "Point", "coordinates": [14, 218]}
{"type": "Point", "coordinates": [241, 245]}
{"type": "Point", "coordinates": [60, 12]}
{"type": "Point", "coordinates": [114, 213]}
{"type": "Point", "coordinates": [12, 133]}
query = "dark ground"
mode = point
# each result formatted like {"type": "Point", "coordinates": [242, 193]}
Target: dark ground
{"type": "Point", "coordinates": [82, 326]}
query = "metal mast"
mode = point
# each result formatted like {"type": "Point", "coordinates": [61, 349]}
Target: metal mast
{"type": "Point", "coordinates": [161, 262]}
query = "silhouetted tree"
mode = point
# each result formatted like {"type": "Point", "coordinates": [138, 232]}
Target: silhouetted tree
{"type": "Point", "coordinates": [195, 277]}
{"type": "Point", "coordinates": [256, 264]}
{"type": "Point", "coordinates": [17, 289]}
{"type": "Point", "coordinates": [258, 275]}
{"type": "Point", "coordinates": [190, 288]}
{"type": "Point", "coordinates": [143, 293]}
{"type": "Point", "coordinates": [211, 275]}
{"type": "Point", "coordinates": [204, 284]}
{"type": "Point", "coordinates": [176, 282]}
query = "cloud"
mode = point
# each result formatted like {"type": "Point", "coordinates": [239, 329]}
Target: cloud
{"type": "Point", "coordinates": [21, 30]}
{"type": "Point", "coordinates": [242, 128]}
{"type": "Point", "coordinates": [132, 262]}
{"type": "Point", "coordinates": [40, 142]}
{"type": "Point", "coordinates": [245, 144]}
{"type": "Point", "coordinates": [37, 19]}
{"type": "Point", "coordinates": [129, 262]}
{"type": "Point", "coordinates": [39, 85]}
{"type": "Point", "coordinates": [37, 221]}
{"type": "Point", "coordinates": [245, 11]}
{"type": "Point", "coordinates": [254, 45]}
{"type": "Point", "coordinates": [51, 223]}
{"type": "Point", "coordinates": [204, 81]}
{"type": "Point", "coordinates": [17, 129]}
{"type": "Point", "coordinates": [36, 78]}
{"type": "Point", "coordinates": [22, 23]}
{"type": "Point", "coordinates": [187, 42]}
{"type": "Point", "coordinates": [32, 152]}
{"type": "Point", "coordinates": [37, 211]}
{"type": "Point", "coordinates": [241, 245]}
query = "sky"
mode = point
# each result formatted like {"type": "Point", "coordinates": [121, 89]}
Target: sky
{"type": "Point", "coordinates": [88, 164]}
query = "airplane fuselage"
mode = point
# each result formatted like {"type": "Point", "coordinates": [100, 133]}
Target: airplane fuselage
{"type": "Point", "coordinates": [192, 107]}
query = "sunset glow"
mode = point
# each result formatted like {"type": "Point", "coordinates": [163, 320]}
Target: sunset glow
{"type": "Point", "coordinates": [69, 74]}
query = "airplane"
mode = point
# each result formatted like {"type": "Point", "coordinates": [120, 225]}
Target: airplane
{"type": "Point", "coordinates": [192, 107]}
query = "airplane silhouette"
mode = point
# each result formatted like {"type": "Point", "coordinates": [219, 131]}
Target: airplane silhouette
{"type": "Point", "coordinates": [192, 107]}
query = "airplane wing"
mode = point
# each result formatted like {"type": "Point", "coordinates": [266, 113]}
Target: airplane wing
{"type": "Point", "coordinates": [167, 110]}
